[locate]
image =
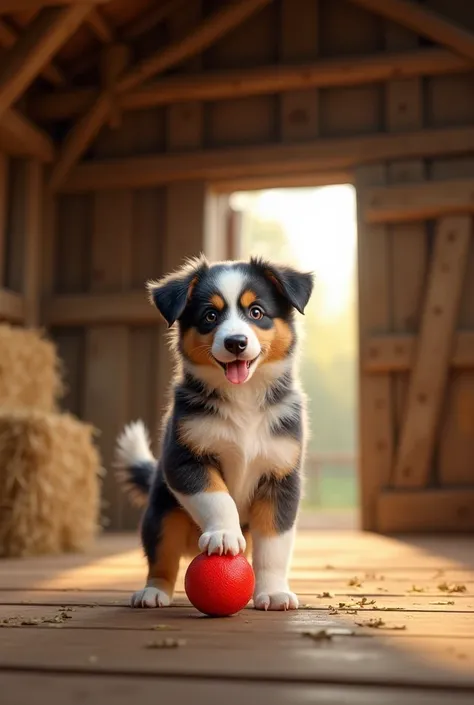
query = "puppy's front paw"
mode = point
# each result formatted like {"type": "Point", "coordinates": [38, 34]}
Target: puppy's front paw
{"type": "Point", "coordinates": [222, 542]}
{"type": "Point", "coordinates": [150, 597]}
{"type": "Point", "coordinates": [284, 600]}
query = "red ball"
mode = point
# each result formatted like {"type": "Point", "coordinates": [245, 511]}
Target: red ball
{"type": "Point", "coordinates": [219, 586]}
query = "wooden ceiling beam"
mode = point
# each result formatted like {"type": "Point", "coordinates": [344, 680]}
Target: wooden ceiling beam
{"type": "Point", "coordinates": [425, 22]}
{"type": "Point", "coordinates": [142, 24]}
{"type": "Point", "coordinates": [145, 22]}
{"type": "Point", "coordinates": [21, 137]}
{"type": "Point", "coordinates": [11, 6]}
{"type": "Point", "coordinates": [324, 155]}
{"type": "Point", "coordinates": [264, 80]}
{"type": "Point", "coordinates": [208, 31]}
{"type": "Point", "coordinates": [35, 48]}
{"type": "Point", "coordinates": [9, 37]}
{"type": "Point", "coordinates": [100, 26]}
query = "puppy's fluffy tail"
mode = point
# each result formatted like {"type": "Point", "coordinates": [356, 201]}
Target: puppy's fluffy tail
{"type": "Point", "coordinates": [135, 463]}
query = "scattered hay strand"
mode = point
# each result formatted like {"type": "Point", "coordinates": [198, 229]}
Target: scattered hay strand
{"type": "Point", "coordinates": [49, 483]}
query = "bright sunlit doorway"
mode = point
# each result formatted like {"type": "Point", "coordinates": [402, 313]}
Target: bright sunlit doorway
{"type": "Point", "coordinates": [316, 229]}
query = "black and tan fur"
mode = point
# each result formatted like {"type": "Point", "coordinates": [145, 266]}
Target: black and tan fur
{"type": "Point", "coordinates": [234, 434]}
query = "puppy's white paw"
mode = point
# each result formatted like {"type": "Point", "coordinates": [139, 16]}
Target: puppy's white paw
{"type": "Point", "coordinates": [222, 542]}
{"type": "Point", "coordinates": [150, 597]}
{"type": "Point", "coordinates": [284, 600]}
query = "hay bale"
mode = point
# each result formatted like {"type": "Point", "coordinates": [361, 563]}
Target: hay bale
{"type": "Point", "coordinates": [49, 483]}
{"type": "Point", "coordinates": [30, 369]}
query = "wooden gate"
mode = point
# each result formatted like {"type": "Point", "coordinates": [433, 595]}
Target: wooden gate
{"type": "Point", "coordinates": [416, 286]}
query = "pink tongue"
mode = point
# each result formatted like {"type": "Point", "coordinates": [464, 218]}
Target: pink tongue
{"type": "Point", "coordinates": [237, 371]}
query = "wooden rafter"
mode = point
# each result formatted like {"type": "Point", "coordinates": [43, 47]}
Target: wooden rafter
{"type": "Point", "coordinates": [9, 37]}
{"type": "Point", "coordinates": [144, 23]}
{"type": "Point", "coordinates": [325, 154]}
{"type": "Point", "coordinates": [264, 80]}
{"type": "Point", "coordinates": [425, 22]}
{"type": "Point", "coordinates": [100, 26]}
{"type": "Point", "coordinates": [202, 36]}
{"type": "Point", "coordinates": [35, 48]}
{"type": "Point", "coordinates": [10, 6]}
{"type": "Point", "coordinates": [151, 18]}
{"type": "Point", "coordinates": [22, 137]}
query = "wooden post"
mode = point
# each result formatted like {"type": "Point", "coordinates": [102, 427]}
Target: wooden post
{"type": "Point", "coordinates": [107, 347]}
{"type": "Point", "coordinates": [185, 202]}
{"type": "Point", "coordinates": [404, 111]}
{"type": "Point", "coordinates": [114, 60]}
{"type": "Point", "coordinates": [375, 391]}
{"type": "Point", "coordinates": [33, 242]}
{"type": "Point", "coordinates": [299, 110]}
{"type": "Point", "coordinates": [3, 214]}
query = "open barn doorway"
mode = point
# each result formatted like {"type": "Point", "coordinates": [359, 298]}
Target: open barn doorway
{"type": "Point", "coordinates": [315, 228]}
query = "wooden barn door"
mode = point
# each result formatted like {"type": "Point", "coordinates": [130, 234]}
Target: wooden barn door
{"type": "Point", "coordinates": [416, 289]}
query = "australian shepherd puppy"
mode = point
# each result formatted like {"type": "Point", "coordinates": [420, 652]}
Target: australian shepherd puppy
{"type": "Point", "coordinates": [234, 434]}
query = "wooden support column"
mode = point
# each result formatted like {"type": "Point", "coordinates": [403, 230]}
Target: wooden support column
{"type": "Point", "coordinates": [107, 346]}
{"type": "Point", "coordinates": [375, 392]}
{"type": "Point", "coordinates": [3, 214]}
{"type": "Point", "coordinates": [430, 372]}
{"type": "Point", "coordinates": [114, 60]}
{"type": "Point", "coordinates": [33, 243]}
{"type": "Point", "coordinates": [299, 109]}
{"type": "Point", "coordinates": [404, 113]}
{"type": "Point", "coordinates": [186, 201]}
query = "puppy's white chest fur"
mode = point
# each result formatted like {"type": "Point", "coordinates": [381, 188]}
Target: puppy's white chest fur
{"type": "Point", "coordinates": [241, 437]}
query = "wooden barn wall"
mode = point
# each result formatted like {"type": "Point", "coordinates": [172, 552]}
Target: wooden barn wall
{"type": "Point", "coordinates": [112, 241]}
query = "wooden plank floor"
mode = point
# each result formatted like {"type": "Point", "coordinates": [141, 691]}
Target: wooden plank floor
{"type": "Point", "coordinates": [383, 619]}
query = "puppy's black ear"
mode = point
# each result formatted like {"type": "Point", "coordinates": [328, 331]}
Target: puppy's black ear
{"type": "Point", "coordinates": [171, 294]}
{"type": "Point", "coordinates": [295, 286]}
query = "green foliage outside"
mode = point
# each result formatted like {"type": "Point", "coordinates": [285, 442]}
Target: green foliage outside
{"type": "Point", "coordinates": [328, 362]}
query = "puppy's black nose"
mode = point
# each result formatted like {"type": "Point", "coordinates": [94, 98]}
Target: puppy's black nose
{"type": "Point", "coordinates": [236, 344]}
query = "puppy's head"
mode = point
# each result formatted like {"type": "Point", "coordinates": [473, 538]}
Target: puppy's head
{"type": "Point", "coordinates": [233, 317]}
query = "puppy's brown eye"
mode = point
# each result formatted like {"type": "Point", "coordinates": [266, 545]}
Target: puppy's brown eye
{"type": "Point", "coordinates": [256, 313]}
{"type": "Point", "coordinates": [210, 317]}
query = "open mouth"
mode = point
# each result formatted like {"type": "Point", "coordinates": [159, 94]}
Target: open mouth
{"type": "Point", "coordinates": [237, 371]}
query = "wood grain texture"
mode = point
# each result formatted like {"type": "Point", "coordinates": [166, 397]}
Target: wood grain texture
{"type": "Point", "coordinates": [98, 689]}
{"type": "Point", "coordinates": [456, 437]}
{"type": "Point", "coordinates": [376, 433]}
{"type": "Point", "coordinates": [215, 164]}
{"type": "Point", "coordinates": [424, 643]}
{"type": "Point", "coordinates": [198, 38]}
{"type": "Point", "coordinates": [432, 510]}
{"type": "Point", "coordinates": [20, 137]}
{"type": "Point", "coordinates": [422, 201]}
{"type": "Point", "coordinates": [35, 48]}
{"type": "Point", "coordinates": [405, 112]}
{"type": "Point", "coordinates": [299, 110]}
{"type": "Point", "coordinates": [3, 215]}
{"type": "Point", "coordinates": [425, 22]}
{"type": "Point", "coordinates": [396, 352]}
{"type": "Point", "coordinates": [12, 306]}
{"type": "Point", "coordinates": [430, 372]}
{"type": "Point", "coordinates": [9, 37]}
{"type": "Point", "coordinates": [33, 244]}
{"type": "Point", "coordinates": [261, 80]}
